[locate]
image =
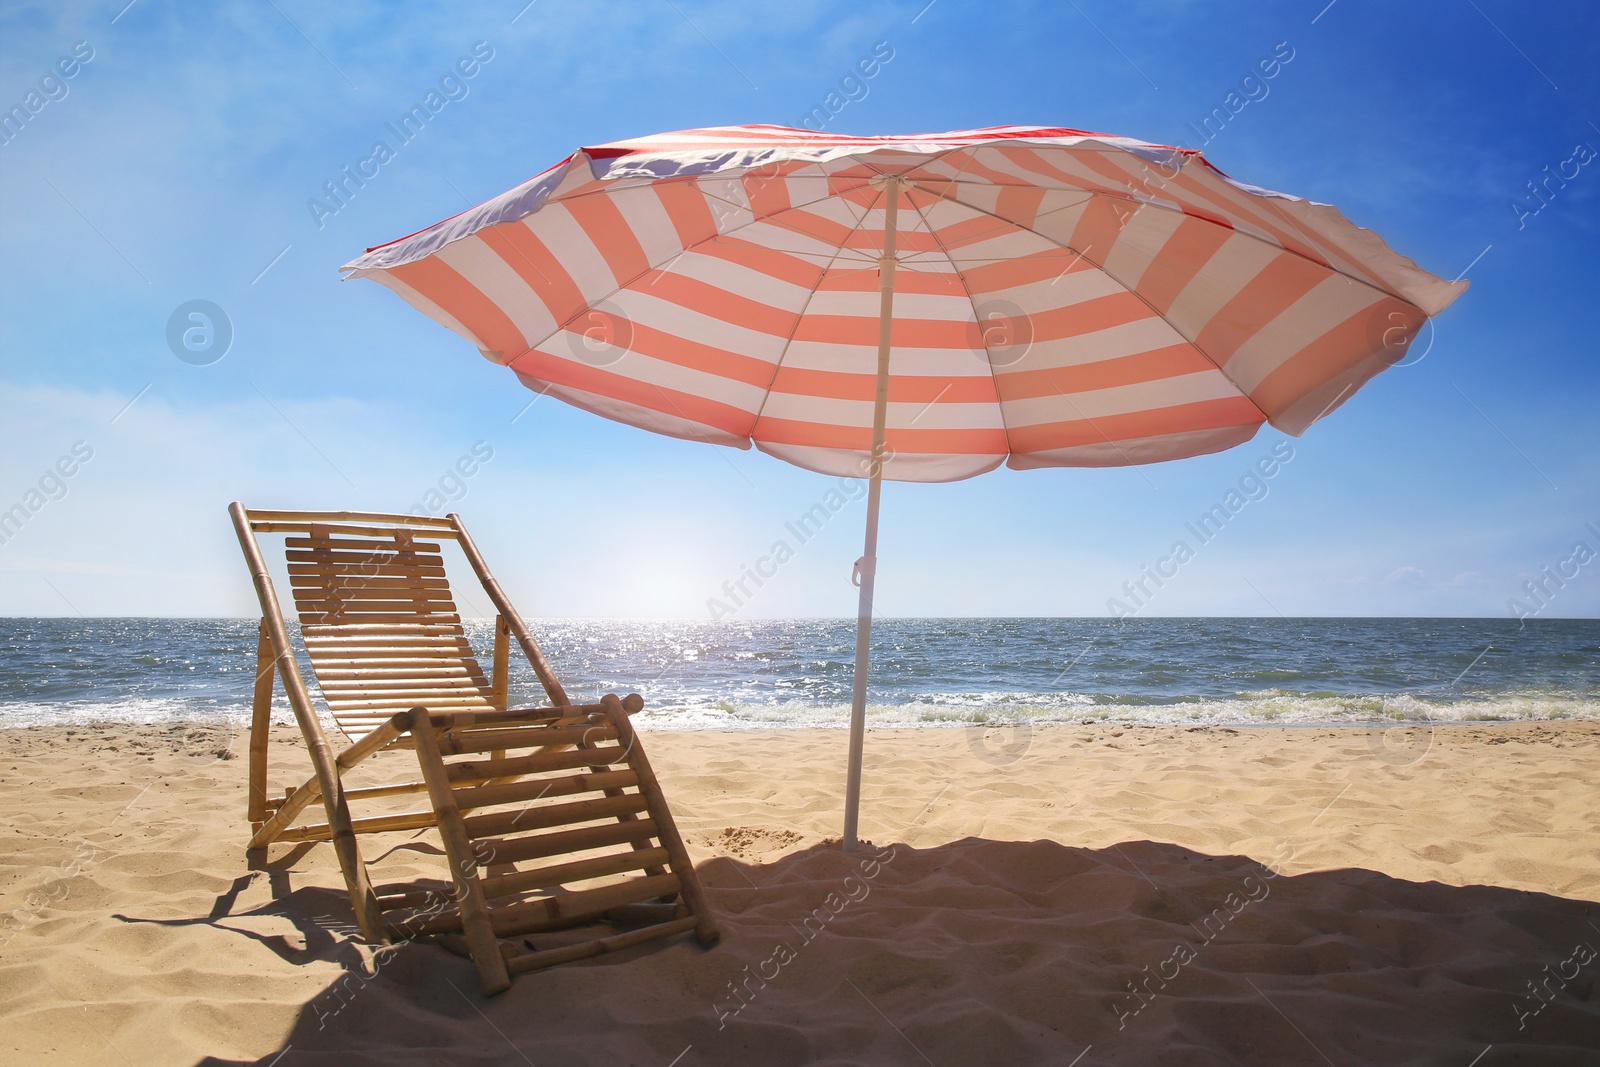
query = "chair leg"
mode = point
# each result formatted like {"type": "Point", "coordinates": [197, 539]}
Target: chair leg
{"type": "Point", "coordinates": [500, 682]}
{"type": "Point", "coordinates": [369, 916]}
{"type": "Point", "coordinates": [260, 727]}
{"type": "Point", "coordinates": [475, 924]}
{"type": "Point", "coordinates": [502, 663]}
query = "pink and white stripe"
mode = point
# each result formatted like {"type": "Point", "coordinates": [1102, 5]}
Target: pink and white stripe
{"type": "Point", "coordinates": [1062, 298]}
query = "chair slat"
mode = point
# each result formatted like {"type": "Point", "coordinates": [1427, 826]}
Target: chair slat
{"type": "Point", "coordinates": [462, 698]}
{"type": "Point", "coordinates": [359, 543]}
{"type": "Point", "coordinates": [345, 590]}
{"type": "Point", "coordinates": [335, 553]}
{"type": "Point", "coordinates": [503, 885]}
{"type": "Point", "coordinates": [402, 687]}
{"type": "Point", "coordinates": [361, 565]}
{"type": "Point", "coordinates": [370, 568]}
{"type": "Point", "coordinates": [485, 796]}
{"type": "Point", "coordinates": [381, 670]}
{"type": "Point", "coordinates": [490, 740]}
{"type": "Point", "coordinates": [396, 645]}
{"type": "Point", "coordinates": [359, 611]}
{"type": "Point", "coordinates": [422, 618]}
{"type": "Point", "coordinates": [433, 703]}
{"type": "Point", "coordinates": [345, 586]}
{"type": "Point", "coordinates": [367, 629]}
{"type": "Point", "coordinates": [550, 957]}
{"type": "Point", "coordinates": [478, 770]}
{"type": "Point", "coordinates": [483, 828]}
{"type": "Point", "coordinates": [552, 912]}
{"type": "Point", "coordinates": [562, 842]}
{"type": "Point", "coordinates": [562, 909]}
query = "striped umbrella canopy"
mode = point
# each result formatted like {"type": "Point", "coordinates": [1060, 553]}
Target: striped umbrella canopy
{"type": "Point", "coordinates": [919, 308]}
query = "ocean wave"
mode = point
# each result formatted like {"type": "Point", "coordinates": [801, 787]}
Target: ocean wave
{"type": "Point", "coordinates": [133, 711]}
{"type": "Point", "coordinates": [1264, 708]}
{"type": "Point", "coordinates": [1268, 708]}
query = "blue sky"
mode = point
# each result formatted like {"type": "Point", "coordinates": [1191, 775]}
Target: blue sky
{"type": "Point", "coordinates": [177, 162]}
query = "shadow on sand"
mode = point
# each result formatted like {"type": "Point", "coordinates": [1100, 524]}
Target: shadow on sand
{"type": "Point", "coordinates": [998, 952]}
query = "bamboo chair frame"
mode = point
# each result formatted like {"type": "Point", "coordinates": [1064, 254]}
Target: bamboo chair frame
{"type": "Point", "coordinates": [472, 717]}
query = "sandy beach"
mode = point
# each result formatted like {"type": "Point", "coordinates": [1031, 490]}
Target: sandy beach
{"type": "Point", "coordinates": [1069, 895]}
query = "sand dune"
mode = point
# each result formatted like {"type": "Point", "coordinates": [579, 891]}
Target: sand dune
{"type": "Point", "coordinates": [1089, 895]}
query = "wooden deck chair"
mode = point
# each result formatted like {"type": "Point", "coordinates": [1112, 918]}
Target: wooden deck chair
{"type": "Point", "coordinates": [386, 644]}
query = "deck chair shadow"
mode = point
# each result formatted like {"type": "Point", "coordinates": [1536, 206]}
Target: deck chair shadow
{"type": "Point", "coordinates": [528, 852]}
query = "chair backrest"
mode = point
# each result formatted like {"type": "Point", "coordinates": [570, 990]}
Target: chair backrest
{"type": "Point", "coordinates": [377, 617]}
{"type": "Point", "coordinates": [380, 626]}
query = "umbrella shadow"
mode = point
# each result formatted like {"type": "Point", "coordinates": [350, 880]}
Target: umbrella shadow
{"type": "Point", "coordinates": [982, 951]}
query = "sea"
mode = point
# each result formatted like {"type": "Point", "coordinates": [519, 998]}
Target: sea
{"type": "Point", "coordinates": [766, 673]}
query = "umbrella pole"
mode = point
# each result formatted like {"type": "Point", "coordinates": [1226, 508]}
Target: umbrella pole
{"type": "Point", "coordinates": [867, 565]}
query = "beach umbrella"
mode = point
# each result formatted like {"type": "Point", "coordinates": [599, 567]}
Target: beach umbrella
{"type": "Point", "coordinates": [918, 308]}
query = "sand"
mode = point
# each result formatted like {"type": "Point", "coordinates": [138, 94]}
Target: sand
{"type": "Point", "coordinates": [1077, 895]}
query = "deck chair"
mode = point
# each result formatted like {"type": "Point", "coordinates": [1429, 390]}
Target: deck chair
{"type": "Point", "coordinates": [528, 852]}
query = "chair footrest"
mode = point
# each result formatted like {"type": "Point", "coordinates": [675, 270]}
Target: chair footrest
{"type": "Point", "coordinates": [615, 854]}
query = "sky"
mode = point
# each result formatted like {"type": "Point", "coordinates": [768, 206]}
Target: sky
{"type": "Point", "coordinates": [180, 160]}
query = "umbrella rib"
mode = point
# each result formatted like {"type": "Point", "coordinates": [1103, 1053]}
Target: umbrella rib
{"type": "Point", "coordinates": [1009, 225]}
{"type": "Point", "coordinates": [773, 218]}
{"type": "Point", "coordinates": [1323, 244]}
{"type": "Point", "coordinates": [783, 353]}
{"type": "Point", "coordinates": [789, 341]}
{"type": "Point", "coordinates": [1140, 297]}
{"type": "Point", "coordinates": [590, 304]}
{"type": "Point", "coordinates": [1000, 408]}
{"type": "Point", "coordinates": [1314, 241]}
